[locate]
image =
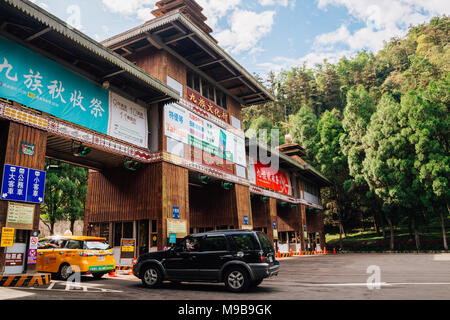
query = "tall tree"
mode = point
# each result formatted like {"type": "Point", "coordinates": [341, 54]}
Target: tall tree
{"type": "Point", "coordinates": [303, 128]}
{"type": "Point", "coordinates": [65, 194]}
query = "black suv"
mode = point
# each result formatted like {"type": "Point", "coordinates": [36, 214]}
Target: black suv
{"type": "Point", "coordinates": [239, 258]}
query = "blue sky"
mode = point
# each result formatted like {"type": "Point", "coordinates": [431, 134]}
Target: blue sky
{"type": "Point", "coordinates": [269, 35]}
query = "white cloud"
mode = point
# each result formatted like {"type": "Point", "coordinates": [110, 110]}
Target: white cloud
{"type": "Point", "coordinates": [383, 20]}
{"type": "Point", "coordinates": [140, 9]}
{"type": "Point", "coordinates": [214, 10]}
{"type": "Point", "coordinates": [247, 28]}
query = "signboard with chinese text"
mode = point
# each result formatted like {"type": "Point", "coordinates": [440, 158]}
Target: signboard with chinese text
{"type": "Point", "coordinates": [23, 184]}
{"type": "Point", "coordinates": [207, 105]}
{"type": "Point", "coordinates": [176, 212]}
{"type": "Point", "coordinates": [45, 85]}
{"type": "Point", "coordinates": [13, 259]}
{"type": "Point", "coordinates": [32, 256]}
{"type": "Point", "coordinates": [179, 227]}
{"type": "Point", "coordinates": [7, 239]}
{"type": "Point", "coordinates": [201, 134]}
{"type": "Point", "coordinates": [20, 216]}
{"type": "Point", "coordinates": [128, 121]}
{"type": "Point", "coordinates": [267, 177]}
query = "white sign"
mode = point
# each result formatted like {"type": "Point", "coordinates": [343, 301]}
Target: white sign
{"type": "Point", "coordinates": [189, 128]}
{"type": "Point", "coordinates": [176, 123]}
{"type": "Point", "coordinates": [127, 121]}
{"type": "Point", "coordinates": [34, 242]}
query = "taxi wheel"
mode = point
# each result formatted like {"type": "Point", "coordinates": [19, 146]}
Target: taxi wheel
{"type": "Point", "coordinates": [65, 271]}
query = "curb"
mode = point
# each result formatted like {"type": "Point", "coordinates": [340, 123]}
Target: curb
{"type": "Point", "coordinates": [24, 280]}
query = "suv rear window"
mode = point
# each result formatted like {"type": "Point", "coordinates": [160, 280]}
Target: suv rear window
{"type": "Point", "coordinates": [265, 243]}
{"type": "Point", "coordinates": [216, 243]}
{"type": "Point", "coordinates": [244, 242]}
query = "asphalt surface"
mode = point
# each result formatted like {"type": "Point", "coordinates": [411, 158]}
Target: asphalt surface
{"type": "Point", "coordinates": [331, 277]}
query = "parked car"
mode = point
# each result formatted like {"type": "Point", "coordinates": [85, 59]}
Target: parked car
{"type": "Point", "coordinates": [239, 258]}
{"type": "Point", "coordinates": [61, 255]}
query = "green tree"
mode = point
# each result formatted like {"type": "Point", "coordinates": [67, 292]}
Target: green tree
{"type": "Point", "coordinates": [333, 164]}
{"type": "Point", "coordinates": [65, 194]}
{"type": "Point", "coordinates": [428, 119]}
{"type": "Point", "coordinates": [303, 128]}
{"type": "Point", "coordinates": [389, 167]}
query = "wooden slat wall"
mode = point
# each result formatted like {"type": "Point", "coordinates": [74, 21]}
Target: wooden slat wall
{"type": "Point", "coordinates": [261, 213]}
{"type": "Point", "coordinates": [120, 195]}
{"type": "Point", "coordinates": [211, 206]}
{"type": "Point", "coordinates": [175, 192]}
{"type": "Point", "coordinates": [289, 219]}
{"type": "Point", "coordinates": [11, 135]}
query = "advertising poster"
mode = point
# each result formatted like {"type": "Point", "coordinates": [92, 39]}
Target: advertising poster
{"type": "Point", "coordinates": [128, 121]}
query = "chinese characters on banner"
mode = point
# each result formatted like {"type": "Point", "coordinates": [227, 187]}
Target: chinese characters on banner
{"type": "Point", "coordinates": [190, 129]}
{"type": "Point", "coordinates": [267, 177]}
{"type": "Point", "coordinates": [207, 105]}
{"type": "Point", "coordinates": [44, 85]}
{"type": "Point", "coordinates": [128, 121]}
{"type": "Point", "coordinates": [23, 184]}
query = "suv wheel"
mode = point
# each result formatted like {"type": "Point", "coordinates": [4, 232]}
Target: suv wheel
{"type": "Point", "coordinates": [237, 280]}
{"type": "Point", "coordinates": [151, 277]}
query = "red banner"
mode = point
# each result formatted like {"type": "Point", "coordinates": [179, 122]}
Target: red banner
{"type": "Point", "coordinates": [273, 179]}
{"type": "Point", "coordinates": [207, 105]}
{"type": "Point", "coordinates": [209, 160]}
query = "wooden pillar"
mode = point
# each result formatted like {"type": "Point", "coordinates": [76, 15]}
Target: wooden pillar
{"type": "Point", "coordinates": [273, 217]}
{"type": "Point", "coordinates": [175, 193]}
{"type": "Point", "coordinates": [243, 206]}
{"type": "Point", "coordinates": [11, 135]}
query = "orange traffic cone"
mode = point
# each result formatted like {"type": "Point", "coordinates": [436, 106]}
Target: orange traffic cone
{"type": "Point", "coordinates": [300, 252]}
{"type": "Point", "coordinates": [325, 250]}
{"type": "Point", "coordinates": [278, 253]}
{"type": "Point", "coordinates": [334, 251]}
{"type": "Point", "coordinates": [112, 273]}
{"type": "Point", "coordinates": [290, 252]}
{"type": "Point", "coordinates": [315, 252]}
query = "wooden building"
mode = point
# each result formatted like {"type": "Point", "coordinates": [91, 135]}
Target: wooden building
{"type": "Point", "coordinates": [60, 92]}
{"type": "Point", "coordinates": [166, 149]}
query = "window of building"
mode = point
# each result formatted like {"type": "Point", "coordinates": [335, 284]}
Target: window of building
{"type": "Point", "coordinates": [311, 189]}
{"type": "Point", "coordinates": [207, 90]}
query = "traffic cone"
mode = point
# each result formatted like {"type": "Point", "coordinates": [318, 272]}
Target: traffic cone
{"type": "Point", "coordinates": [334, 251]}
{"type": "Point", "coordinates": [278, 253]}
{"type": "Point", "coordinates": [315, 252]}
{"type": "Point", "coordinates": [290, 252]}
{"type": "Point", "coordinates": [112, 273]}
{"type": "Point", "coordinates": [325, 250]}
{"type": "Point", "coordinates": [300, 252]}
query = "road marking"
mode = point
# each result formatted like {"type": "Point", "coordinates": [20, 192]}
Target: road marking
{"type": "Point", "coordinates": [374, 284]}
{"type": "Point", "coordinates": [441, 257]}
{"type": "Point", "coordinates": [52, 284]}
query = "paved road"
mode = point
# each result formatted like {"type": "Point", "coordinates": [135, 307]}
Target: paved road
{"type": "Point", "coordinates": [402, 276]}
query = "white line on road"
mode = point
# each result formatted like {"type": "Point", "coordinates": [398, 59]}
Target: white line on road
{"type": "Point", "coordinates": [374, 284]}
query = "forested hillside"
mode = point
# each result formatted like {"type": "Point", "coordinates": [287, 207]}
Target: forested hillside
{"type": "Point", "coordinates": [377, 125]}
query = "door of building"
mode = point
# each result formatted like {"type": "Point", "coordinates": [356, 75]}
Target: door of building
{"type": "Point", "coordinates": [143, 237]}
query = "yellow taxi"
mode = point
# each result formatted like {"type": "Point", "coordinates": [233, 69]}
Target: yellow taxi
{"type": "Point", "coordinates": [65, 255]}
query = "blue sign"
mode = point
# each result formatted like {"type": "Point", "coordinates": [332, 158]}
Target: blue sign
{"type": "Point", "coordinates": [45, 85]}
{"type": "Point", "coordinates": [176, 212]}
{"type": "Point", "coordinates": [304, 227]}
{"type": "Point", "coordinates": [246, 220]}
{"type": "Point", "coordinates": [274, 225]}
{"type": "Point", "coordinates": [23, 184]}
{"type": "Point", "coordinates": [173, 238]}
